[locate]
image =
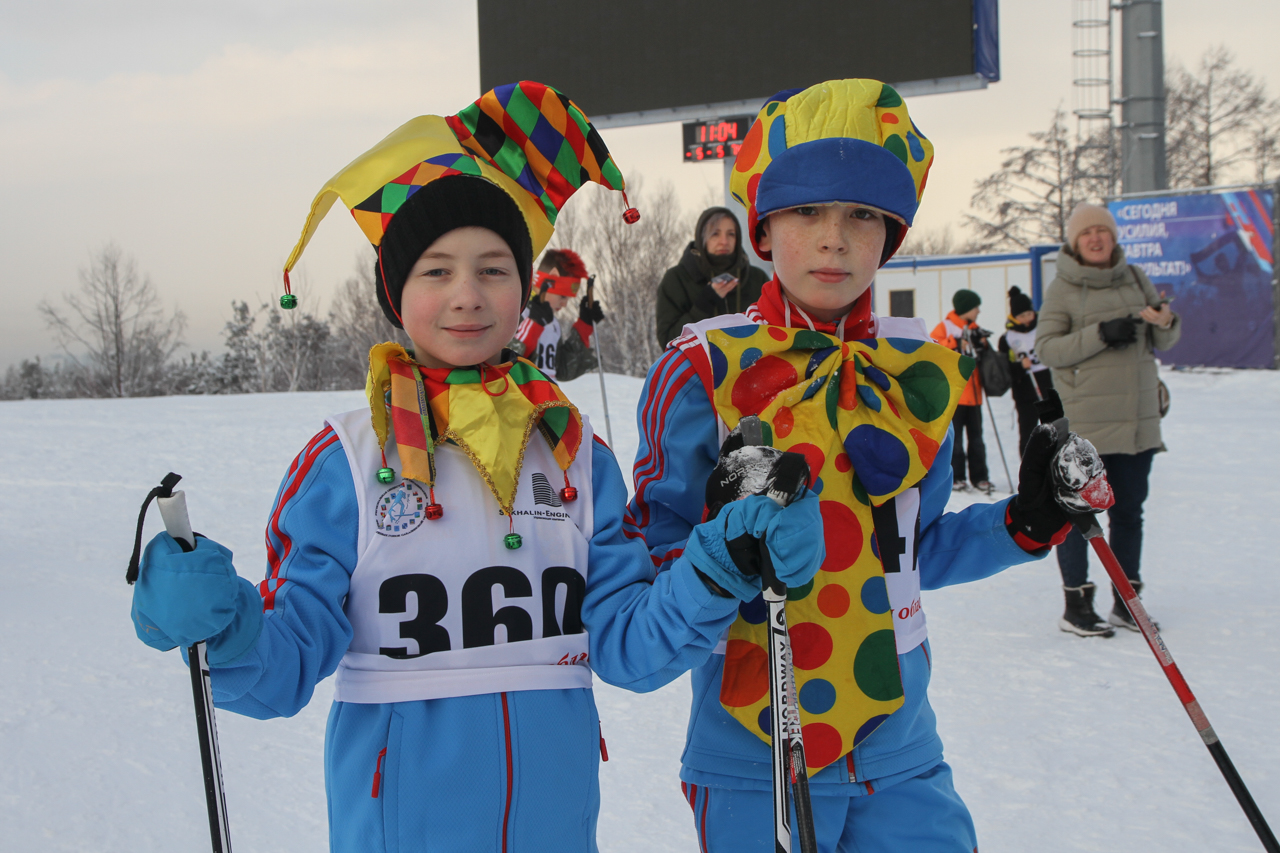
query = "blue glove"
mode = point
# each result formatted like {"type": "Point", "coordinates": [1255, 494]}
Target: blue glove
{"type": "Point", "coordinates": [796, 541]}
{"type": "Point", "coordinates": [185, 597]}
{"type": "Point", "coordinates": [727, 549]}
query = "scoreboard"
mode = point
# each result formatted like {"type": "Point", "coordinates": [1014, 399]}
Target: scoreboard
{"type": "Point", "coordinates": [715, 139]}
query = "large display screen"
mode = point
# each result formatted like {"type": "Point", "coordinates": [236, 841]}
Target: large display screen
{"type": "Point", "coordinates": [1212, 255]}
{"type": "Point", "coordinates": [615, 58]}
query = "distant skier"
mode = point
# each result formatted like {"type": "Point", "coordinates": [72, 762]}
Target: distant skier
{"type": "Point", "coordinates": [464, 633]}
{"type": "Point", "coordinates": [558, 279]}
{"type": "Point", "coordinates": [1029, 379]}
{"type": "Point", "coordinates": [959, 332]}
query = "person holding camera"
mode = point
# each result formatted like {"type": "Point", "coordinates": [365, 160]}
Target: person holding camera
{"type": "Point", "coordinates": [713, 277]}
{"type": "Point", "coordinates": [1099, 324]}
{"type": "Point", "coordinates": [959, 331]}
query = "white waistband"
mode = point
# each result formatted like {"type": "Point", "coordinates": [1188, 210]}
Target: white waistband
{"type": "Point", "coordinates": [374, 687]}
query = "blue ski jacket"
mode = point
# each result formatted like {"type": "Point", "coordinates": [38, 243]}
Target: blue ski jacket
{"type": "Point", "coordinates": [515, 771]}
{"type": "Point", "coordinates": [679, 445]}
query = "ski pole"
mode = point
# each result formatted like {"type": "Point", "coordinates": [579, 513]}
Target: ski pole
{"type": "Point", "coordinates": [1089, 528]}
{"type": "Point", "coordinates": [173, 508]}
{"type": "Point", "coordinates": [790, 774]}
{"type": "Point", "coordinates": [996, 429]}
{"type": "Point", "coordinates": [595, 333]}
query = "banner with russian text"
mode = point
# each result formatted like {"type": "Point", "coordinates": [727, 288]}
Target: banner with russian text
{"type": "Point", "coordinates": [1212, 255]}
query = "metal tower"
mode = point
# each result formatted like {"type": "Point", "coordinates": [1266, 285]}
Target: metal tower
{"type": "Point", "coordinates": [1091, 71]}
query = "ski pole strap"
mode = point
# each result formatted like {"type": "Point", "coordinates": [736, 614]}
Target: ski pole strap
{"type": "Point", "coordinates": [774, 589]}
{"type": "Point", "coordinates": [164, 490]}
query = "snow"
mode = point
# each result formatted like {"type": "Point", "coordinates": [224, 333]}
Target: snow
{"type": "Point", "coordinates": [1058, 743]}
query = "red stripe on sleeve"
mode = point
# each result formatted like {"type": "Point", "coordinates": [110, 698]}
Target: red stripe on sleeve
{"type": "Point", "coordinates": [295, 478]}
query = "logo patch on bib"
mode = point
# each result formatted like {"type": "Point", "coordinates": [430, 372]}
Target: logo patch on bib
{"type": "Point", "coordinates": [401, 509]}
{"type": "Point", "coordinates": [542, 491]}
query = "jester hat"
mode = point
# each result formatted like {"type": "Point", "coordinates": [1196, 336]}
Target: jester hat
{"type": "Point", "coordinates": [527, 139]}
{"type": "Point", "coordinates": [848, 141]}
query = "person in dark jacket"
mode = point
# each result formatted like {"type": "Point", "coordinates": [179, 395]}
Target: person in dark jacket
{"type": "Point", "coordinates": [1029, 379]}
{"type": "Point", "coordinates": [689, 293]}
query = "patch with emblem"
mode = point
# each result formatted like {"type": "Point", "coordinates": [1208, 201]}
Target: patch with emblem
{"type": "Point", "coordinates": [400, 510]}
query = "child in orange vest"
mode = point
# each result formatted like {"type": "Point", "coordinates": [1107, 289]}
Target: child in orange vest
{"type": "Point", "coordinates": [959, 332]}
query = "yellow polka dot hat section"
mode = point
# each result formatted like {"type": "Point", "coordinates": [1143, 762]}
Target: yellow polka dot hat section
{"type": "Point", "coordinates": [870, 417]}
{"type": "Point", "coordinates": [848, 141]}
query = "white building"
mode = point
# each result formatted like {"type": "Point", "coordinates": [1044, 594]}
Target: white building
{"type": "Point", "coordinates": [923, 286]}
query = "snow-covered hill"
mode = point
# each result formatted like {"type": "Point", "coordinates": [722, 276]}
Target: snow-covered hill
{"type": "Point", "coordinates": [1058, 743]}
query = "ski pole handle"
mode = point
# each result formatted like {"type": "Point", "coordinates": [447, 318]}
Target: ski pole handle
{"type": "Point", "coordinates": [176, 521]}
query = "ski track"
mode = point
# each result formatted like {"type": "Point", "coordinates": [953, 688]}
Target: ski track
{"type": "Point", "coordinates": [1058, 742]}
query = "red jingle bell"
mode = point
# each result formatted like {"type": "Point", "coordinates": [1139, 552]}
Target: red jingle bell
{"type": "Point", "coordinates": [568, 494]}
{"type": "Point", "coordinates": [631, 216]}
{"type": "Point", "coordinates": [434, 512]}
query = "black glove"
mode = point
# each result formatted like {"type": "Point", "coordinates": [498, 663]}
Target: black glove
{"type": "Point", "coordinates": [540, 312]}
{"type": "Point", "coordinates": [590, 312]}
{"type": "Point", "coordinates": [1034, 519]}
{"type": "Point", "coordinates": [1120, 331]}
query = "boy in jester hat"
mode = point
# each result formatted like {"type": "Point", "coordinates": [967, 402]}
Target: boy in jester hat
{"type": "Point", "coordinates": [558, 280]}
{"type": "Point", "coordinates": [831, 177]}
{"type": "Point", "coordinates": [456, 550]}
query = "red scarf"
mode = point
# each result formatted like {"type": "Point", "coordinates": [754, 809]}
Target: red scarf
{"type": "Point", "coordinates": [773, 310]}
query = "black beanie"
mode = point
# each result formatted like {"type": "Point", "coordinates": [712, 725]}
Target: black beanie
{"type": "Point", "coordinates": [1018, 302]}
{"type": "Point", "coordinates": [965, 301]}
{"type": "Point", "coordinates": [439, 207]}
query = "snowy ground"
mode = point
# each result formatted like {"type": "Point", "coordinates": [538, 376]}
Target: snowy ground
{"type": "Point", "coordinates": [1058, 743]}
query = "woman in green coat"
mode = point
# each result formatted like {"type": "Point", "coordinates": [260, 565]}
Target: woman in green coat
{"type": "Point", "coordinates": [689, 293]}
{"type": "Point", "coordinates": [1100, 321]}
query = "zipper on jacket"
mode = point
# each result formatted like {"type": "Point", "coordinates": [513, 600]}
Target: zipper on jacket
{"type": "Point", "coordinates": [604, 750]}
{"type": "Point", "coordinates": [377, 773]}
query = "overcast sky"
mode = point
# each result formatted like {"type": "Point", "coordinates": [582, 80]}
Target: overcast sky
{"type": "Point", "coordinates": [196, 135]}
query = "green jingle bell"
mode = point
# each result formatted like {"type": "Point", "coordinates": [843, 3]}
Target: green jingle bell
{"type": "Point", "coordinates": [386, 476]}
{"type": "Point", "coordinates": [288, 302]}
{"type": "Point", "coordinates": [513, 541]}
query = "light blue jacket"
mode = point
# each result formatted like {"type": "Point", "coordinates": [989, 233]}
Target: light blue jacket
{"type": "Point", "coordinates": [465, 772]}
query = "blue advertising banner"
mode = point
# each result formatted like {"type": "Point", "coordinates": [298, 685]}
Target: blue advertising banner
{"type": "Point", "coordinates": [1211, 254]}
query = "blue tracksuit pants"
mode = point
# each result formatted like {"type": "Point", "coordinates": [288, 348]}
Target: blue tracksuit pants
{"type": "Point", "coordinates": [923, 814]}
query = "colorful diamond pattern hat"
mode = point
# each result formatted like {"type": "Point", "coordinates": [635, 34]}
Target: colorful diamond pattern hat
{"type": "Point", "coordinates": [526, 138]}
{"type": "Point", "coordinates": [846, 141]}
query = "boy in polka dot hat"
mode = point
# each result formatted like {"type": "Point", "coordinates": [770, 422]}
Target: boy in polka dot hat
{"type": "Point", "coordinates": [831, 177]}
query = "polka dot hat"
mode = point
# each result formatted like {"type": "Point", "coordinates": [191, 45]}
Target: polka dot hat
{"type": "Point", "coordinates": [846, 141]}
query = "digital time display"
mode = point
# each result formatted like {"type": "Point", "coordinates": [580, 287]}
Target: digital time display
{"type": "Point", "coordinates": [714, 139]}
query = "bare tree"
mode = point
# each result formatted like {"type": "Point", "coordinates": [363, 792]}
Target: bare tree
{"type": "Point", "coordinates": [628, 261]}
{"type": "Point", "coordinates": [1264, 140]}
{"type": "Point", "coordinates": [1028, 200]}
{"type": "Point", "coordinates": [357, 323]}
{"type": "Point", "coordinates": [114, 328]}
{"type": "Point", "coordinates": [1219, 123]}
{"type": "Point", "coordinates": [941, 241]}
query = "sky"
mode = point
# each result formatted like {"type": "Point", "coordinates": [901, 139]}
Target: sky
{"type": "Point", "coordinates": [194, 136]}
